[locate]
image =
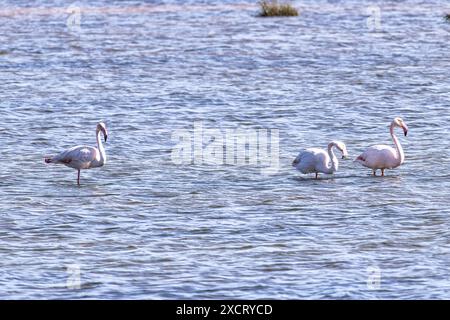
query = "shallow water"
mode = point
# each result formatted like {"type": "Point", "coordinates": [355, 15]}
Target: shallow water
{"type": "Point", "coordinates": [145, 227]}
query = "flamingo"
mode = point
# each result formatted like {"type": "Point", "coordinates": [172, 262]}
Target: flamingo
{"type": "Point", "coordinates": [316, 160]}
{"type": "Point", "coordinates": [382, 156]}
{"type": "Point", "coordinates": [83, 157]}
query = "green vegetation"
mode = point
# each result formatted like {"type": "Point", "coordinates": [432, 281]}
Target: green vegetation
{"type": "Point", "coordinates": [273, 8]}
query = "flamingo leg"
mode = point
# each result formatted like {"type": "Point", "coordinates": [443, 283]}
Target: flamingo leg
{"type": "Point", "coordinates": [374, 173]}
{"type": "Point", "coordinates": [317, 175]}
{"type": "Point", "coordinates": [382, 172]}
{"type": "Point", "coordinates": [78, 179]}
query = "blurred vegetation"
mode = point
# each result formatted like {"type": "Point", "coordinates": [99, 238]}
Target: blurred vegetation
{"type": "Point", "coordinates": [273, 8]}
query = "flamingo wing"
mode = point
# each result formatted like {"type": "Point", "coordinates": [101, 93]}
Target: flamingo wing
{"type": "Point", "coordinates": [308, 160]}
{"type": "Point", "coordinates": [379, 157]}
{"type": "Point", "coordinates": [79, 157]}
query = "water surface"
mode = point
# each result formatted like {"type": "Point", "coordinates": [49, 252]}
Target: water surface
{"type": "Point", "coordinates": [143, 227]}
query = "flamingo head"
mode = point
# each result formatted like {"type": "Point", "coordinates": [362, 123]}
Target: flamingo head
{"type": "Point", "coordinates": [401, 124]}
{"type": "Point", "coordinates": [296, 161]}
{"type": "Point", "coordinates": [341, 147]}
{"type": "Point", "coordinates": [101, 127]}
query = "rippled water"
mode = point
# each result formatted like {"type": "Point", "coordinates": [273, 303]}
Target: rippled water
{"type": "Point", "coordinates": [145, 227]}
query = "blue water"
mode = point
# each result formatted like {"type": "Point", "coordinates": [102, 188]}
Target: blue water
{"type": "Point", "coordinates": [144, 227]}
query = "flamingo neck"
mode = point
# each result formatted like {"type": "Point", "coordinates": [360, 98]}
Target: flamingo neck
{"type": "Point", "coordinates": [101, 148]}
{"type": "Point", "coordinates": [400, 154]}
{"type": "Point", "coordinates": [334, 161]}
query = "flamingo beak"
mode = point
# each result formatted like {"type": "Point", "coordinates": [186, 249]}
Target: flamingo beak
{"type": "Point", "coordinates": [405, 129]}
{"type": "Point", "coordinates": [294, 163]}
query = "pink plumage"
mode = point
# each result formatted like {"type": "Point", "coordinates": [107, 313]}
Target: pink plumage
{"type": "Point", "coordinates": [381, 157]}
{"type": "Point", "coordinates": [83, 157]}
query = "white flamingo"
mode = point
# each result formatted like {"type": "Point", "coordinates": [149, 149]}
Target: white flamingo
{"type": "Point", "coordinates": [317, 161]}
{"type": "Point", "coordinates": [83, 157]}
{"type": "Point", "coordinates": [382, 156]}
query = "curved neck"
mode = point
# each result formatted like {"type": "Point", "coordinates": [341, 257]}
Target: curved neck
{"type": "Point", "coordinates": [334, 161]}
{"type": "Point", "coordinates": [398, 146]}
{"type": "Point", "coordinates": [100, 147]}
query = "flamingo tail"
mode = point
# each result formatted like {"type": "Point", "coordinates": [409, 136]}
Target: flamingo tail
{"type": "Point", "coordinates": [360, 159]}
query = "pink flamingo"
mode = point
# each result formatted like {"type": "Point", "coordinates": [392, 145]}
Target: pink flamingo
{"type": "Point", "coordinates": [382, 156]}
{"type": "Point", "coordinates": [83, 157]}
{"type": "Point", "coordinates": [316, 160]}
